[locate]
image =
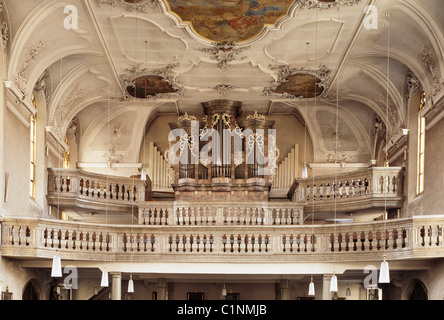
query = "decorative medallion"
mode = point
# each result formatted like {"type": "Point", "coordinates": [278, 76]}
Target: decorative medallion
{"type": "Point", "coordinates": [326, 4]}
{"type": "Point", "coordinates": [224, 53]}
{"type": "Point", "coordinates": [149, 86]}
{"type": "Point", "coordinates": [300, 83]}
{"type": "Point", "coordinates": [130, 5]}
{"type": "Point", "coordinates": [140, 83]}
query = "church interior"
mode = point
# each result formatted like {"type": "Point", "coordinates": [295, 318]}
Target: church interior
{"type": "Point", "coordinates": [221, 150]}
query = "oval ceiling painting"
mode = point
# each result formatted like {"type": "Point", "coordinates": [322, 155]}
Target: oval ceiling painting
{"type": "Point", "coordinates": [229, 20]}
{"type": "Point", "coordinates": [149, 86]}
{"type": "Point", "coordinates": [300, 85]}
{"type": "Point", "coordinates": [135, 1]}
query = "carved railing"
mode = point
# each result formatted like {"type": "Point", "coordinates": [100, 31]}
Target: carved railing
{"type": "Point", "coordinates": [370, 188]}
{"type": "Point", "coordinates": [406, 238]}
{"type": "Point", "coordinates": [211, 213]}
{"type": "Point", "coordinates": [76, 188]}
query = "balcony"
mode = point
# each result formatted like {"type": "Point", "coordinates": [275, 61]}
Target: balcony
{"type": "Point", "coordinates": [399, 239]}
{"type": "Point", "coordinates": [376, 187]}
{"type": "Point", "coordinates": [80, 190]}
{"type": "Point", "coordinates": [215, 213]}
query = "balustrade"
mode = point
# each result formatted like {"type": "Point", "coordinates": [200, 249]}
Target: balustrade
{"type": "Point", "coordinates": [399, 238]}
{"type": "Point", "coordinates": [216, 213]}
{"type": "Point", "coordinates": [356, 190]}
{"type": "Point", "coordinates": [71, 187]}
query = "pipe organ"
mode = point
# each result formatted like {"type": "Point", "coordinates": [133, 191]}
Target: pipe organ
{"type": "Point", "coordinates": [158, 170]}
{"type": "Point", "coordinates": [286, 172]}
{"type": "Point", "coordinates": [223, 156]}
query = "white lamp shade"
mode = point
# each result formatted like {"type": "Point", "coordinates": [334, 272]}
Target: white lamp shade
{"type": "Point", "coordinates": [56, 271]}
{"type": "Point", "coordinates": [311, 289]}
{"type": "Point", "coordinates": [334, 284]}
{"type": "Point", "coordinates": [224, 291]}
{"type": "Point", "coordinates": [348, 292]}
{"type": "Point", "coordinates": [305, 172]}
{"type": "Point", "coordinates": [384, 274]}
{"type": "Point", "coordinates": [104, 282]}
{"type": "Point", "coordinates": [143, 175]}
{"type": "Point", "coordinates": [131, 286]}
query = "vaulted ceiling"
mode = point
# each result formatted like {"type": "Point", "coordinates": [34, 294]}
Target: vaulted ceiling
{"type": "Point", "coordinates": [310, 58]}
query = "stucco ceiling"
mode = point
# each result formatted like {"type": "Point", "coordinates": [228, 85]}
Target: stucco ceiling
{"type": "Point", "coordinates": [251, 51]}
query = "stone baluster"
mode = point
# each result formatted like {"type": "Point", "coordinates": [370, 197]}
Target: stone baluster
{"type": "Point", "coordinates": [179, 214]}
{"type": "Point", "coordinates": [229, 216]}
{"type": "Point", "coordinates": [277, 219]}
{"type": "Point", "coordinates": [340, 189]}
{"type": "Point", "coordinates": [327, 190]}
{"type": "Point", "coordinates": [286, 215]}
{"type": "Point", "coordinates": [185, 216]}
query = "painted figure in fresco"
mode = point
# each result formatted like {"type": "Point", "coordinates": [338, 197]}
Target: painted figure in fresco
{"type": "Point", "coordinates": [229, 20]}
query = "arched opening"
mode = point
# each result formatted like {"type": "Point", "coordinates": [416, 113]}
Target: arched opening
{"type": "Point", "coordinates": [31, 291]}
{"type": "Point", "coordinates": [419, 291]}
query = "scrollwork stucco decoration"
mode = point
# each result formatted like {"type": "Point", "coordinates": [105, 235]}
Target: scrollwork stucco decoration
{"type": "Point", "coordinates": [32, 52]}
{"type": "Point", "coordinates": [224, 53]}
{"type": "Point", "coordinates": [323, 73]}
{"type": "Point", "coordinates": [140, 6]}
{"type": "Point", "coordinates": [315, 4]}
{"type": "Point", "coordinates": [136, 71]}
{"type": "Point", "coordinates": [112, 156]}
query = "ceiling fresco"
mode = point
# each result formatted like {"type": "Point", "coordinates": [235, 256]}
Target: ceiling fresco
{"type": "Point", "coordinates": [300, 85]}
{"type": "Point", "coordinates": [229, 20]}
{"type": "Point", "coordinates": [151, 85]}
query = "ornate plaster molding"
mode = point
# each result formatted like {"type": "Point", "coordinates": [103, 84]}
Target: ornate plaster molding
{"type": "Point", "coordinates": [412, 83]}
{"type": "Point", "coordinates": [224, 53]}
{"type": "Point", "coordinates": [32, 52]}
{"type": "Point", "coordinates": [4, 29]}
{"type": "Point", "coordinates": [112, 156]}
{"type": "Point", "coordinates": [74, 94]}
{"type": "Point", "coordinates": [132, 73]}
{"type": "Point", "coordinates": [41, 83]}
{"type": "Point", "coordinates": [394, 118]}
{"type": "Point", "coordinates": [141, 6]}
{"type": "Point", "coordinates": [223, 89]}
{"type": "Point", "coordinates": [437, 84]}
{"type": "Point", "coordinates": [315, 4]}
{"type": "Point", "coordinates": [323, 73]}
{"type": "Point", "coordinates": [73, 131]}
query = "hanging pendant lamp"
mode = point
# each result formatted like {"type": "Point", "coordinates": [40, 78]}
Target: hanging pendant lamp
{"type": "Point", "coordinates": [384, 273]}
{"type": "Point", "coordinates": [56, 271]}
{"type": "Point", "coordinates": [305, 172]}
{"type": "Point", "coordinates": [143, 175]}
{"type": "Point", "coordinates": [311, 288]}
{"type": "Point", "coordinates": [131, 284]}
{"type": "Point", "coordinates": [224, 291]}
{"type": "Point", "coordinates": [334, 284]}
{"type": "Point", "coordinates": [104, 282]}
